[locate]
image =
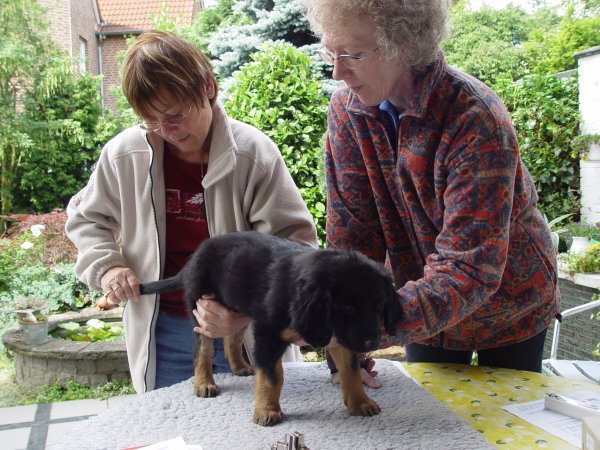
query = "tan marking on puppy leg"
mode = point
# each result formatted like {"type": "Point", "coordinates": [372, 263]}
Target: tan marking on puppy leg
{"type": "Point", "coordinates": [204, 383]}
{"type": "Point", "coordinates": [356, 400]}
{"type": "Point", "coordinates": [267, 411]}
{"type": "Point", "coordinates": [233, 346]}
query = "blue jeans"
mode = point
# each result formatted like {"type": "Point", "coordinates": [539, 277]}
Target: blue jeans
{"type": "Point", "coordinates": [525, 355]}
{"type": "Point", "coordinates": [175, 346]}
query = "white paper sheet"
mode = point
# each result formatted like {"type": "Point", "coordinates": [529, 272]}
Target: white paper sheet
{"type": "Point", "coordinates": [559, 425]}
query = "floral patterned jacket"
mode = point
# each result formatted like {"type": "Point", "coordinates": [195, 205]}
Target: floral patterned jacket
{"type": "Point", "coordinates": [450, 208]}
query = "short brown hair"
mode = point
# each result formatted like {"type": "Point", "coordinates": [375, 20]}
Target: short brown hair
{"type": "Point", "coordinates": [162, 66]}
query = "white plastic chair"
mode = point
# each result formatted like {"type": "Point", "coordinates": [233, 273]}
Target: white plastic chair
{"type": "Point", "coordinates": [578, 370]}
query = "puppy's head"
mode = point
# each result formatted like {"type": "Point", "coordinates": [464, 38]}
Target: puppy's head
{"type": "Point", "coordinates": [362, 298]}
{"type": "Point", "coordinates": [310, 309]}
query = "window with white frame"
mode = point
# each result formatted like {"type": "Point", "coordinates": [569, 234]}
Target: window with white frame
{"type": "Point", "coordinates": [82, 56]}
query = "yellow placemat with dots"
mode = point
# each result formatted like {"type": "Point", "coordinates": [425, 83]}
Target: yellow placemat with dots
{"type": "Point", "coordinates": [478, 393]}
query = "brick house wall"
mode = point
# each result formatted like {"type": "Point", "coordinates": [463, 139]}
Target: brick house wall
{"type": "Point", "coordinates": [83, 27]}
{"type": "Point", "coordinates": [579, 334]}
{"type": "Point", "coordinates": [103, 26]}
{"type": "Point", "coordinates": [70, 22]}
{"type": "Point", "coordinates": [112, 45]}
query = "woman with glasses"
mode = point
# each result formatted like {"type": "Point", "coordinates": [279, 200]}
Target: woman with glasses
{"type": "Point", "coordinates": [423, 172]}
{"type": "Point", "coordinates": [185, 173]}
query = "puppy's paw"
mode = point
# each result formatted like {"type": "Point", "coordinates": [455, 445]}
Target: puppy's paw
{"type": "Point", "coordinates": [366, 407]}
{"type": "Point", "coordinates": [243, 371]}
{"type": "Point", "coordinates": [206, 390]}
{"type": "Point", "coordinates": [267, 417]}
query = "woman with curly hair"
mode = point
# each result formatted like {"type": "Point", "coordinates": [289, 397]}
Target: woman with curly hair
{"type": "Point", "coordinates": [423, 172]}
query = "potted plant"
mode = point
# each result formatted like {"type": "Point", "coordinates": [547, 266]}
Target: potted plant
{"type": "Point", "coordinates": [556, 233]}
{"type": "Point", "coordinates": [32, 321]}
{"type": "Point", "coordinates": [587, 261]}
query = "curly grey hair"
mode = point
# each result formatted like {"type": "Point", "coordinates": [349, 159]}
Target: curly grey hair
{"type": "Point", "coordinates": [406, 30]}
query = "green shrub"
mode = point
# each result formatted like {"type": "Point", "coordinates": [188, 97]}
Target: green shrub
{"type": "Point", "coordinates": [545, 111]}
{"type": "Point", "coordinates": [15, 253]}
{"type": "Point", "coordinates": [76, 391]}
{"type": "Point", "coordinates": [36, 265]}
{"type": "Point", "coordinates": [67, 137]}
{"type": "Point", "coordinates": [585, 262]}
{"type": "Point", "coordinates": [279, 93]}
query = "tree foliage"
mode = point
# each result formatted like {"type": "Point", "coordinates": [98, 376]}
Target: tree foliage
{"type": "Point", "coordinates": [545, 112]}
{"type": "Point", "coordinates": [487, 43]}
{"type": "Point", "coordinates": [66, 141]}
{"type": "Point", "coordinates": [49, 117]}
{"type": "Point", "coordinates": [24, 53]}
{"type": "Point", "coordinates": [551, 50]}
{"type": "Point", "coordinates": [279, 93]}
{"type": "Point", "coordinates": [518, 54]}
{"type": "Point", "coordinates": [231, 46]}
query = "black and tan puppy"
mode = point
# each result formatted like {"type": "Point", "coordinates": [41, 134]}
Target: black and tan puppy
{"type": "Point", "coordinates": [290, 291]}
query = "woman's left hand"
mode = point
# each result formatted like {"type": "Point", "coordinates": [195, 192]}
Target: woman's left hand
{"type": "Point", "coordinates": [367, 375]}
{"type": "Point", "coordinates": [215, 320]}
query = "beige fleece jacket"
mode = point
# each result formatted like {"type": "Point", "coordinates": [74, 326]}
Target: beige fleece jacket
{"type": "Point", "coordinates": [118, 219]}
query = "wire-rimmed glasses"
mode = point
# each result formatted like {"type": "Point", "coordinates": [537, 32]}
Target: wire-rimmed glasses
{"type": "Point", "coordinates": [350, 61]}
{"type": "Point", "coordinates": [174, 120]}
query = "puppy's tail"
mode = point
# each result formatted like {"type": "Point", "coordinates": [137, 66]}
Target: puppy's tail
{"type": "Point", "coordinates": [167, 285]}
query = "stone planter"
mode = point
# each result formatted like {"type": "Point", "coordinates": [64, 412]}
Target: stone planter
{"type": "Point", "coordinates": [59, 361]}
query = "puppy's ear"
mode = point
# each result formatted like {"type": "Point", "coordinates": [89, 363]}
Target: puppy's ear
{"type": "Point", "coordinates": [392, 311]}
{"type": "Point", "coordinates": [310, 312]}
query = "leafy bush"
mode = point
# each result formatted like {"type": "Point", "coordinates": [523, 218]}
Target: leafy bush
{"type": "Point", "coordinates": [585, 262]}
{"type": "Point", "coordinates": [486, 42]}
{"type": "Point", "coordinates": [545, 112]}
{"type": "Point", "coordinates": [36, 263]}
{"type": "Point", "coordinates": [279, 93]}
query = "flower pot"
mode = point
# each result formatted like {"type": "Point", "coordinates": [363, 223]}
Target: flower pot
{"type": "Point", "coordinates": [34, 326]}
{"type": "Point", "coordinates": [35, 333]}
{"type": "Point", "coordinates": [579, 245]}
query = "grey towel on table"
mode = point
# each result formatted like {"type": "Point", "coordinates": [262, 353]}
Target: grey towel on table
{"type": "Point", "coordinates": [410, 417]}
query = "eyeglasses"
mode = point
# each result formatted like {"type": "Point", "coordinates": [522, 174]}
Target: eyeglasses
{"type": "Point", "coordinates": [350, 61]}
{"type": "Point", "coordinates": [175, 120]}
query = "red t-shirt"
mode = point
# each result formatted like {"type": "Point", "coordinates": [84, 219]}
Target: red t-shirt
{"type": "Point", "coordinates": [186, 222]}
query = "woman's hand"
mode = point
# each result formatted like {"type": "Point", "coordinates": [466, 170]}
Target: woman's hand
{"type": "Point", "coordinates": [215, 320]}
{"type": "Point", "coordinates": [367, 374]}
{"type": "Point", "coordinates": [120, 284]}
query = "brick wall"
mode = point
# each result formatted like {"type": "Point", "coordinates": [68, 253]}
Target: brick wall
{"type": "Point", "coordinates": [58, 14]}
{"type": "Point", "coordinates": [83, 26]}
{"type": "Point", "coordinates": [579, 334]}
{"type": "Point", "coordinates": [70, 21]}
{"type": "Point", "coordinates": [111, 47]}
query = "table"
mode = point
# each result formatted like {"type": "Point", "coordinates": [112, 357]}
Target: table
{"type": "Point", "coordinates": [410, 419]}
{"type": "Point", "coordinates": [478, 393]}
